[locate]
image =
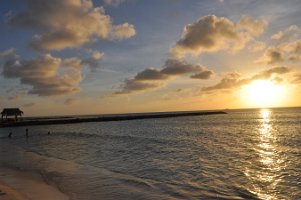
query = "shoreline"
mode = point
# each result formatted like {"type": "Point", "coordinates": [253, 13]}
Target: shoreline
{"type": "Point", "coordinates": [20, 185]}
{"type": "Point", "coordinates": [9, 193]}
{"type": "Point", "coordinates": [107, 118]}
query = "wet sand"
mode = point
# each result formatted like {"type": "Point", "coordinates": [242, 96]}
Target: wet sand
{"type": "Point", "coordinates": [18, 185]}
{"type": "Point", "coordinates": [8, 193]}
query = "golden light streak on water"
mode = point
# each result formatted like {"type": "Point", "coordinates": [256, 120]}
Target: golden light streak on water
{"type": "Point", "coordinates": [267, 177]}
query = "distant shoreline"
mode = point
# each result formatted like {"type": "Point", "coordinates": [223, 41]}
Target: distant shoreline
{"type": "Point", "coordinates": [106, 118]}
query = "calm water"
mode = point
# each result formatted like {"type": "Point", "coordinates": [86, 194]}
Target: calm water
{"type": "Point", "coordinates": [247, 154]}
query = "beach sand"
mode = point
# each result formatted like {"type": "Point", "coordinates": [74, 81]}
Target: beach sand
{"type": "Point", "coordinates": [8, 193]}
{"type": "Point", "coordinates": [18, 185]}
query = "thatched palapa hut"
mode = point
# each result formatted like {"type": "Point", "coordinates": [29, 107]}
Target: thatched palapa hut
{"type": "Point", "coordinates": [11, 112]}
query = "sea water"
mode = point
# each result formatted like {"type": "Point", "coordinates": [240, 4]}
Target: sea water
{"type": "Point", "coordinates": [245, 154]}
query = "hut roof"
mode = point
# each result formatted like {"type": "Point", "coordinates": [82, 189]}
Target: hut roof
{"type": "Point", "coordinates": [12, 111]}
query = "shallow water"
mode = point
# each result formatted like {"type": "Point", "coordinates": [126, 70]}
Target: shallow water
{"type": "Point", "coordinates": [246, 154]}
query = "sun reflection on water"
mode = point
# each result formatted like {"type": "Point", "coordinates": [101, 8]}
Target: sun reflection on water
{"type": "Point", "coordinates": [266, 176]}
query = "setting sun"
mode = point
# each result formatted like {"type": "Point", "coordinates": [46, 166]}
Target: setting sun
{"type": "Point", "coordinates": [264, 93]}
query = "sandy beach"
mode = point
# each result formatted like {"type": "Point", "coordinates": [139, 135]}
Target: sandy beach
{"type": "Point", "coordinates": [8, 193]}
{"type": "Point", "coordinates": [18, 185]}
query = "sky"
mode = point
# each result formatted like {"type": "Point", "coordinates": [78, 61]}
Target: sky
{"type": "Point", "coordinates": [76, 57]}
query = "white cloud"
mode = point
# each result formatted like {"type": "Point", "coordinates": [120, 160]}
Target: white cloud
{"type": "Point", "coordinates": [67, 24]}
{"type": "Point", "coordinates": [212, 33]}
{"type": "Point", "coordinates": [123, 31]}
{"type": "Point", "coordinates": [43, 74]}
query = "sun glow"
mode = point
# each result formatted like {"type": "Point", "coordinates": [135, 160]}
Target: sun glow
{"type": "Point", "coordinates": [264, 93]}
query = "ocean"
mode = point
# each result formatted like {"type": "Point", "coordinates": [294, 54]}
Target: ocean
{"type": "Point", "coordinates": [245, 154]}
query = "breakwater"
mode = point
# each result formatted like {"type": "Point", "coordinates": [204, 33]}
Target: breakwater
{"type": "Point", "coordinates": [106, 118]}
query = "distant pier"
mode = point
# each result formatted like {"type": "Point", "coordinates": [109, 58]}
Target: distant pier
{"type": "Point", "coordinates": [107, 118]}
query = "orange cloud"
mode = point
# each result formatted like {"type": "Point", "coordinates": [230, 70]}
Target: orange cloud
{"type": "Point", "coordinates": [234, 80]}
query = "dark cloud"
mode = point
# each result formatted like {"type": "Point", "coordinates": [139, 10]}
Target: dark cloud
{"type": "Point", "coordinates": [234, 80]}
{"type": "Point", "coordinates": [11, 98]}
{"type": "Point", "coordinates": [203, 75]}
{"type": "Point", "coordinates": [151, 74]}
{"type": "Point", "coordinates": [29, 104]}
{"type": "Point", "coordinates": [151, 78]}
{"type": "Point", "coordinates": [229, 81]}
{"type": "Point", "coordinates": [133, 85]}
{"type": "Point", "coordinates": [69, 23]}
{"type": "Point", "coordinates": [71, 101]}
{"type": "Point", "coordinates": [212, 33]}
{"type": "Point", "coordinates": [268, 73]}
{"type": "Point", "coordinates": [177, 67]}
{"type": "Point", "coordinates": [42, 74]}
{"type": "Point", "coordinates": [272, 55]}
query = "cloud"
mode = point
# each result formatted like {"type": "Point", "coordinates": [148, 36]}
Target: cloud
{"type": "Point", "coordinates": [203, 75]}
{"type": "Point", "coordinates": [255, 27]}
{"type": "Point", "coordinates": [284, 52]}
{"type": "Point", "coordinates": [68, 24]}
{"type": "Point", "coordinates": [114, 2]}
{"type": "Point", "coordinates": [291, 33]}
{"type": "Point", "coordinates": [297, 78]}
{"type": "Point", "coordinates": [208, 34]}
{"type": "Point", "coordinates": [257, 46]}
{"type": "Point", "coordinates": [268, 73]}
{"type": "Point", "coordinates": [132, 85]}
{"type": "Point", "coordinates": [19, 95]}
{"type": "Point", "coordinates": [211, 33]}
{"type": "Point", "coordinates": [286, 49]}
{"type": "Point", "coordinates": [122, 31]}
{"type": "Point", "coordinates": [152, 78]}
{"type": "Point", "coordinates": [179, 67]}
{"type": "Point", "coordinates": [47, 75]}
{"type": "Point", "coordinates": [151, 74]}
{"type": "Point", "coordinates": [234, 80]}
{"type": "Point", "coordinates": [93, 61]}
{"type": "Point", "coordinates": [229, 81]}
{"type": "Point", "coordinates": [294, 51]}
{"type": "Point", "coordinates": [29, 104]}
{"type": "Point", "coordinates": [71, 101]}
{"type": "Point", "coordinates": [272, 55]}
